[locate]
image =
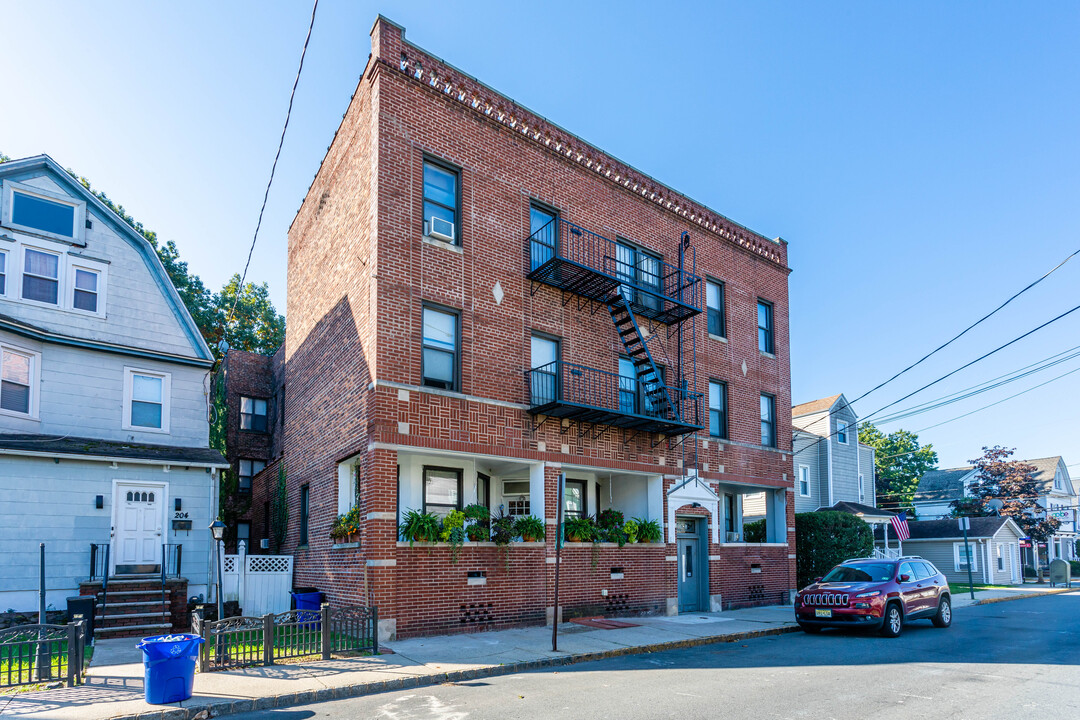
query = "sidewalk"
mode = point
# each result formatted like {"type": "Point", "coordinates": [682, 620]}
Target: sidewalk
{"type": "Point", "coordinates": [114, 684]}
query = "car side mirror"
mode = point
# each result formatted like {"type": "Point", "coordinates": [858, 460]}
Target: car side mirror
{"type": "Point", "coordinates": [905, 578]}
{"type": "Point", "coordinates": [817, 579]}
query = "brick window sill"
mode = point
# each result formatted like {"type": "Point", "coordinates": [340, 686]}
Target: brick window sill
{"type": "Point", "coordinates": [443, 244]}
{"type": "Point", "coordinates": [721, 338]}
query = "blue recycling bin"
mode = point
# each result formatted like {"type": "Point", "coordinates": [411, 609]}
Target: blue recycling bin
{"type": "Point", "coordinates": [169, 661]}
{"type": "Point", "coordinates": [306, 602]}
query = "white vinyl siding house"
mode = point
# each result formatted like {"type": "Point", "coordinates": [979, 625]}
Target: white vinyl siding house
{"type": "Point", "coordinates": [102, 391]}
{"type": "Point", "coordinates": [826, 442]}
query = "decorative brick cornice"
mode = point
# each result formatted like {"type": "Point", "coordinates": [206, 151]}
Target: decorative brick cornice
{"type": "Point", "coordinates": [395, 53]}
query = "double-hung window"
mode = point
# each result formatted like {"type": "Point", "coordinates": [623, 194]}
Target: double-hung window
{"type": "Point", "coordinates": [637, 396]}
{"type": "Point", "coordinates": [305, 503]}
{"type": "Point", "coordinates": [544, 374]}
{"type": "Point", "coordinates": [248, 469]}
{"type": "Point", "coordinates": [543, 236]}
{"type": "Point", "coordinates": [3, 272]}
{"type": "Point", "coordinates": [638, 268]}
{"type": "Point", "coordinates": [718, 413]}
{"type": "Point", "coordinates": [440, 349]}
{"type": "Point", "coordinates": [41, 276]}
{"type": "Point", "coordinates": [442, 490]}
{"type": "Point", "coordinates": [574, 499]}
{"type": "Point", "coordinates": [804, 480]}
{"type": "Point", "coordinates": [841, 432]}
{"type": "Point", "coordinates": [963, 555]}
{"type": "Point", "coordinates": [862, 487]}
{"type": "Point", "coordinates": [85, 289]}
{"type": "Point", "coordinates": [714, 302]}
{"type": "Point", "coordinates": [18, 373]}
{"type": "Point", "coordinates": [768, 420]}
{"type": "Point", "coordinates": [766, 341]}
{"type": "Point", "coordinates": [442, 185]}
{"type": "Point", "coordinates": [253, 413]}
{"type": "Point", "coordinates": [146, 400]}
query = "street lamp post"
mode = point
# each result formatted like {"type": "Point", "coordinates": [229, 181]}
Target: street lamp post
{"type": "Point", "coordinates": [217, 529]}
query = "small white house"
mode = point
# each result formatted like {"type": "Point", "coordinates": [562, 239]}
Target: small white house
{"type": "Point", "coordinates": [104, 437]}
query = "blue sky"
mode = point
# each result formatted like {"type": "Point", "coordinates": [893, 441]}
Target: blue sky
{"type": "Point", "coordinates": [920, 158]}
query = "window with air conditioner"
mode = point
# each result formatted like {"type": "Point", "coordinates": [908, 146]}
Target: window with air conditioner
{"type": "Point", "coordinates": [441, 201]}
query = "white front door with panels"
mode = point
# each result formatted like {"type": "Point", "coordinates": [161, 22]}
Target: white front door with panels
{"type": "Point", "coordinates": [138, 519]}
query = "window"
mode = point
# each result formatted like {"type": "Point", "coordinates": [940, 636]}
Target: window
{"type": "Point", "coordinates": [304, 501]}
{"type": "Point", "coordinates": [266, 519]}
{"type": "Point", "coordinates": [483, 490]}
{"type": "Point", "coordinates": [1000, 559]}
{"type": "Point", "coordinates": [248, 469]}
{"type": "Point", "coordinates": [543, 234]}
{"type": "Point", "coordinates": [441, 196]}
{"type": "Point", "coordinates": [765, 327]}
{"type": "Point", "coordinates": [729, 514]}
{"type": "Point", "coordinates": [862, 487]}
{"type": "Point", "coordinates": [3, 272]}
{"type": "Point", "coordinates": [627, 386]}
{"type": "Point", "coordinates": [714, 301]}
{"type": "Point", "coordinates": [85, 290]}
{"type": "Point", "coordinates": [41, 276]}
{"type": "Point", "coordinates": [906, 569]}
{"type": "Point", "coordinates": [440, 349]}
{"type": "Point", "coordinates": [637, 267]}
{"type": "Point", "coordinates": [841, 432]}
{"type": "Point", "coordinates": [637, 396]}
{"type": "Point", "coordinates": [1059, 483]}
{"type": "Point", "coordinates": [253, 414]}
{"type": "Point", "coordinates": [574, 499]}
{"type": "Point", "coordinates": [516, 495]}
{"type": "Point", "coordinates": [38, 213]}
{"type": "Point", "coordinates": [442, 490]}
{"type": "Point", "coordinates": [718, 426]}
{"type": "Point", "coordinates": [768, 420]}
{"type": "Point", "coordinates": [18, 375]}
{"type": "Point", "coordinates": [243, 532]}
{"type": "Point", "coordinates": [804, 480]}
{"type": "Point", "coordinates": [544, 376]}
{"type": "Point", "coordinates": [961, 559]}
{"type": "Point", "coordinates": [146, 400]}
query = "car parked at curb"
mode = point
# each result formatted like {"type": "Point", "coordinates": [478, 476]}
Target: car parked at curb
{"type": "Point", "coordinates": [876, 594]}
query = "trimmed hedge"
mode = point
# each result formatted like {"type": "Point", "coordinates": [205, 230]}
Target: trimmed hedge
{"type": "Point", "coordinates": [754, 532]}
{"type": "Point", "coordinates": [825, 539]}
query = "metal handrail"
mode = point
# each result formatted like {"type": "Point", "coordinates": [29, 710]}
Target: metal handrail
{"type": "Point", "coordinates": [563, 240]}
{"type": "Point", "coordinates": [565, 382]}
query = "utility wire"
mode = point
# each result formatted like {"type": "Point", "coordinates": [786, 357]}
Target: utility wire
{"type": "Point", "coordinates": [968, 328]}
{"type": "Point", "coordinates": [273, 169]}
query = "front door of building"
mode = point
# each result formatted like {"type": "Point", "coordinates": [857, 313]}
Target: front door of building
{"type": "Point", "coordinates": [137, 528]}
{"type": "Point", "coordinates": [689, 562]}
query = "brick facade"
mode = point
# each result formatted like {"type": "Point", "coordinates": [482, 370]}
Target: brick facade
{"type": "Point", "coordinates": [359, 273]}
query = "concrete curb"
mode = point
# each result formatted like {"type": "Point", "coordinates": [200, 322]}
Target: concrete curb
{"type": "Point", "coordinates": [1024, 596]}
{"type": "Point", "coordinates": [233, 707]}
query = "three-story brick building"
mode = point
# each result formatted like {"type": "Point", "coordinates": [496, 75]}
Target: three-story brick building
{"type": "Point", "coordinates": [481, 303]}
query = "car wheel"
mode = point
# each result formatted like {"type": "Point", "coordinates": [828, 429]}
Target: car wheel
{"type": "Point", "coordinates": [894, 621]}
{"type": "Point", "coordinates": [943, 619]}
{"type": "Point", "coordinates": [810, 629]}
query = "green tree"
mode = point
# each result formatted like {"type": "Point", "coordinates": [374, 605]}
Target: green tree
{"type": "Point", "coordinates": [899, 462]}
{"type": "Point", "coordinates": [256, 325]}
{"type": "Point", "coordinates": [826, 539]}
{"type": "Point", "coordinates": [1012, 482]}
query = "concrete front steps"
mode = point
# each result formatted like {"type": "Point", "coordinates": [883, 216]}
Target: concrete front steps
{"type": "Point", "coordinates": [133, 607]}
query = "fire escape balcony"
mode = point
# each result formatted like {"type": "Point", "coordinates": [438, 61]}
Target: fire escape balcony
{"type": "Point", "coordinates": [578, 261]}
{"type": "Point", "coordinates": [599, 398]}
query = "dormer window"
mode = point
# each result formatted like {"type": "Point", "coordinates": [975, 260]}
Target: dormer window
{"type": "Point", "coordinates": [44, 213]}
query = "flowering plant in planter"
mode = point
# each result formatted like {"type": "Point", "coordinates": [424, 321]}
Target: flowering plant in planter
{"type": "Point", "coordinates": [530, 528]}
{"type": "Point", "coordinates": [346, 525]}
{"type": "Point", "coordinates": [418, 526]}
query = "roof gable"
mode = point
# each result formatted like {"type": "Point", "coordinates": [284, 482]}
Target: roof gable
{"type": "Point", "coordinates": [44, 166]}
{"type": "Point", "coordinates": [945, 484]}
{"type": "Point", "coordinates": [816, 406]}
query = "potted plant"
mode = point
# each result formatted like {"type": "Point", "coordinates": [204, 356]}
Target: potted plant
{"type": "Point", "coordinates": [580, 529]}
{"type": "Point", "coordinates": [453, 533]}
{"type": "Point", "coordinates": [631, 530]}
{"type": "Point", "coordinates": [530, 528]}
{"type": "Point", "coordinates": [346, 528]}
{"type": "Point", "coordinates": [479, 518]}
{"type": "Point", "coordinates": [502, 532]}
{"type": "Point", "coordinates": [648, 531]}
{"type": "Point", "coordinates": [419, 526]}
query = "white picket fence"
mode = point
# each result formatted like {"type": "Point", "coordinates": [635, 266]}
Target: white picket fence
{"type": "Point", "coordinates": [260, 583]}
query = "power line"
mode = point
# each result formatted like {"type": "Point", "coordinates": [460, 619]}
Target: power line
{"type": "Point", "coordinates": [273, 169]}
{"type": "Point", "coordinates": [968, 328]}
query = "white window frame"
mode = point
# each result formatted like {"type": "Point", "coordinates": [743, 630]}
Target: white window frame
{"type": "Point", "coordinates": [862, 487]}
{"type": "Point", "coordinates": [166, 399]}
{"type": "Point", "coordinates": [79, 216]}
{"type": "Point", "coordinates": [99, 269]}
{"type": "Point", "coordinates": [958, 552]}
{"type": "Point", "coordinates": [35, 381]}
{"type": "Point", "coordinates": [804, 469]}
{"type": "Point", "coordinates": [8, 254]}
{"type": "Point", "coordinates": [842, 429]}
{"type": "Point", "coordinates": [346, 489]}
{"type": "Point", "coordinates": [60, 276]}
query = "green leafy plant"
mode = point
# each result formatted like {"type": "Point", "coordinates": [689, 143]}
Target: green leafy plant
{"type": "Point", "coordinates": [581, 529]}
{"type": "Point", "coordinates": [530, 528]}
{"type": "Point", "coordinates": [609, 519]}
{"type": "Point", "coordinates": [453, 532]}
{"type": "Point", "coordinates": [502, 532]}
{"type": "Point", "coordinates": [479, 527]}
{"type": "Point", "coordinates": [754, 532]}
{"type": "Point", "coordinates": [649, 531]}
{"type": "Point", "coordinates": [826, 539]}
{"type": "Point", "coordinates": [345, 525]}
{"type": "Point", "coordinates": [631, 530]}
{"type": "Point", "coordinates": [418, 526]}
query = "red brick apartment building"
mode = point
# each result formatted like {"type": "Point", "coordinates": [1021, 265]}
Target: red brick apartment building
{"type": "Point", "coordinates": [480, 302]}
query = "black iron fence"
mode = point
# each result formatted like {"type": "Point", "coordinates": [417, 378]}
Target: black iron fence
{"type": "Point", "coordinates": [31, 654]}
{"type": "Point", "coordinates": [244, 641]}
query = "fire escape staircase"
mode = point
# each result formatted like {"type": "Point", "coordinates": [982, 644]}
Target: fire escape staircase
{"type": "Point", "coordinates": [648, 374]}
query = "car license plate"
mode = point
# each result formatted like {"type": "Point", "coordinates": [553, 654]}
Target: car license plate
{"type": "Point", "coordinates": [820, 612]}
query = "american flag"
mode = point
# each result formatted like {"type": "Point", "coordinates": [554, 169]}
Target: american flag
{"type": "Point", "coordinates": [900, 526]}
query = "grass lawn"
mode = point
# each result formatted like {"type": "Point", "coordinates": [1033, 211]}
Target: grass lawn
{"type": "Point", "coordinates": [962, 588]}
{"type": "Point", "coordinates": [19, 668]}
{"type": "Point", "coordinates": [286, 641]}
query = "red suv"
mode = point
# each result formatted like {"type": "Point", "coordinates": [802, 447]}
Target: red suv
{"type": "Point", "coordinates": [875, 593]}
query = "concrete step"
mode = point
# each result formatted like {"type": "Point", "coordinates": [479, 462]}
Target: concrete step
{"type": "Point", "coordinates": [123, 631]}
{"type": "Point", "coordinates": [128, 615]}
{"type": "Point", "coordinates": [133, 603]}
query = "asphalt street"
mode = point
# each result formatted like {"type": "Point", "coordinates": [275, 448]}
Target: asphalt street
{"type": "Point", "coordinates": [1010, 660]}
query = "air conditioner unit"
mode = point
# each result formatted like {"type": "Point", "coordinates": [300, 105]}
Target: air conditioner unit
{"type": "Point", "coordinates": [442, 229]}
{"type": "Point", "coordinates": [264, 544]}
{"type": "Point", "coordinates": [731, 537]}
